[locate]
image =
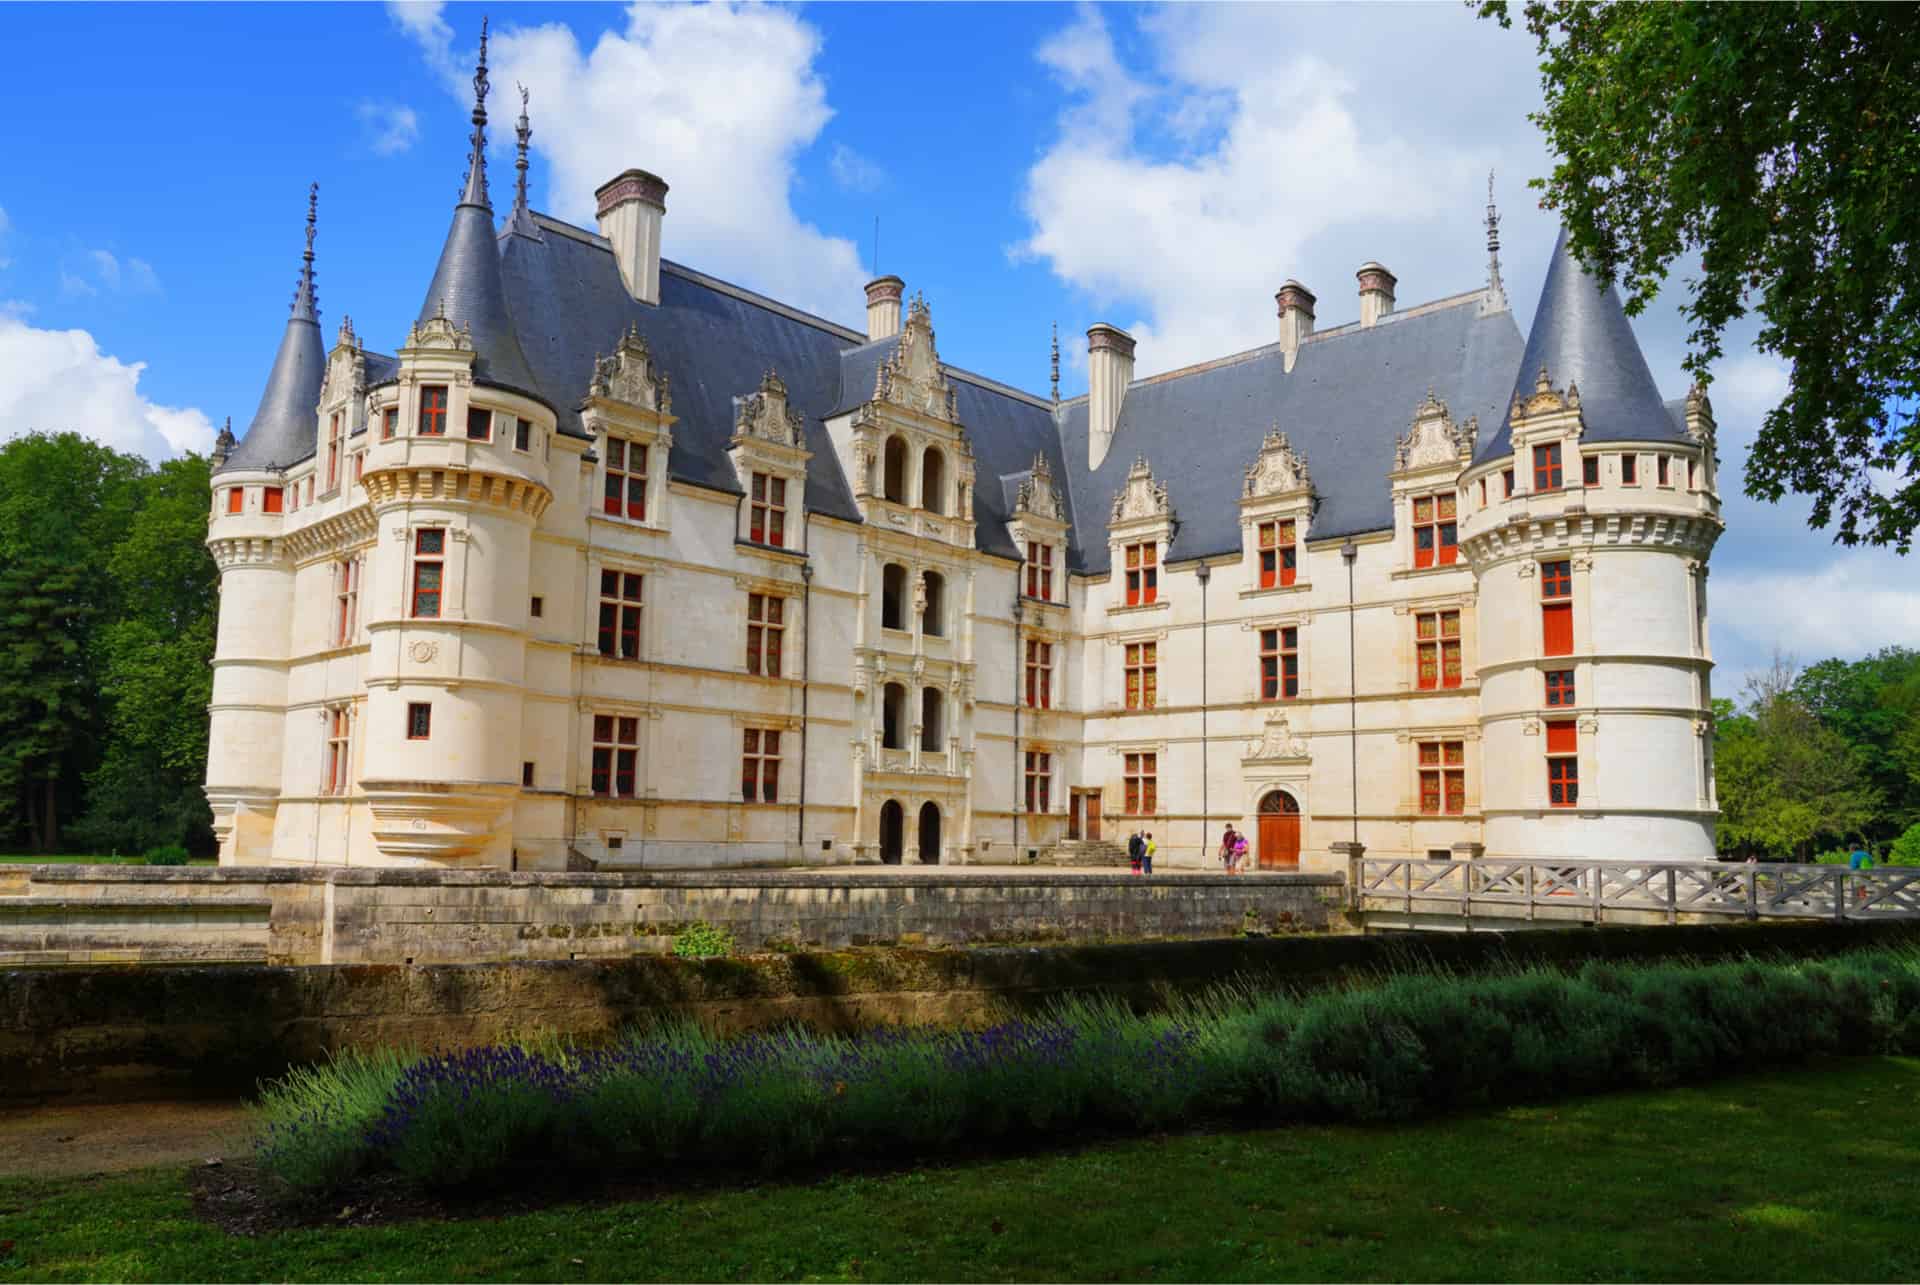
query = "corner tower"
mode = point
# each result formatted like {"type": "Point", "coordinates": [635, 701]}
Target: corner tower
{"type": "Point", "coordinates": [1588, 518]}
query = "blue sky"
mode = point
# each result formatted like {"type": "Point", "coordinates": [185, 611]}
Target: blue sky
{"type": "Point", "coordinates": [1163, 169]}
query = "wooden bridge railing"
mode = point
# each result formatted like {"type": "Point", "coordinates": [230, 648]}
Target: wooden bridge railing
{"type": "Point", "coordinates": [1499, 887]}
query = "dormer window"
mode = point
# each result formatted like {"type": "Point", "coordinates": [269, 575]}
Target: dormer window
{"type": "Point", "coordinates": [1279, 554]}
{"type": "Point", "coordinates": [767, 519]}
{"type": "Point", "coordinates": [433, 411]}
{"type": "Point", "coordinates": [333, 450]}
{"type": "Point", "coordinates": [1143, 573]}
{"type": "Point", "coordinates": [1435, 534]}
{"type": "Point", "coordinates": [1039, 570]}
{"type": "Point", "coordinates": [479, 424]}
{"type": "Point", "coordinates": [626, 494]}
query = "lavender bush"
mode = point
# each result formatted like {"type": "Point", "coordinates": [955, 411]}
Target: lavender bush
{"type": "Point", "coordinates": [770, 1101]}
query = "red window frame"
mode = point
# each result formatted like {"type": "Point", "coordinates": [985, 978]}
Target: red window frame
{"type": "Point", "coordinates": [1560, 689]}
{"type": "Point", "coordinates": [1039, 570]}
{"type": "Point", "coordinates": [433, 411]}
{"type": "Point", "coordinates": [766, 633]}
{"type": "Point", "coordinates": [1280, 663]}
{"type": "Point", "coordinates": [1143, 675]}
{"type": "Point", "coordinates": [1143, 573]}
{"type": "Point", "coordinates": [333, 450]}
{"type": "Point", "coordinates": [1437, 649]}
{"type": "Point", "coordinates": [760, 764]}
{"type": "Point", "coordinates": [1547, 475]}
{"type": "Point", "coordinates": [616, 747]}
{"type": "Point", "coordinates": [767, 510]}
{"type": "Point", "coordinates": [389, 423]}
{"type": "Point", "coordinates": [429, 564]}
{"type": "Point", "coordinates": [1039, 777]}
{"type": "Point", "coordinates": [1279, 553]}
{"type": "Point", "coordinates": [1436, 530]}
{"type": "Point", "coordinates": [1039, 674]}
{"type": "Point", "coordinates": [1506, 484]}
{"type": "Point", "coordinates": [1141, 780]}
{"type": "Point", "coordinates": [419, 721]}
{"type": "Point", "coordinates": [1691, 474]}
{"type": "Point", "coordinates": [622, 599]}
{"type": "Point", "coordinates": [1556, 607]}
{"type": "Point", "coordinates": [626, 487]}
{"type": "Point", "coordinates": [339, 741]}
{"type": "Point", "coordinates": [272, 500]}
{"type": "Point", "coordinates": [346, 617]}
{"type": "Point", "coordinates": [359, 464]}
{"type": "Point", "coordinates": [1662, 470]}
{"type": "Point", "coordinates": [236, 499]}
{"type": "Point", "coordinates": [1563, 765]}
{"type": "Point", "coordinates": [1443, 778]}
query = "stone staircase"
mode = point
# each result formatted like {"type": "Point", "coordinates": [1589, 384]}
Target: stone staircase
{"type": "Point", "coordinates": [1083, 852]}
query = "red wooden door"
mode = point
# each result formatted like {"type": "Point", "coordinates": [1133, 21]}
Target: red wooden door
{"type": "Point", "coordinates": [1279, 832]}
{"type": "Point", "coordinates": [1093, 816]}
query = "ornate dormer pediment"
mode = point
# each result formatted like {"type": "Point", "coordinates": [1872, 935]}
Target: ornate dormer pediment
{"type": "Point", "coordinates": [1141, 499]}
{"type": "Point", "coordinates": [1433, 439]}
{"type": "Point", "coordinates": [911, 378]}
{"type": "Point", "coordinates": [1277, 470]}
{"type": "Point", "coordinates": [1699, 415]}
{"type": "Point", "coordinates": [765, 415]}
{"type": "Point", "coordinates": [1544, 400]}
{"type": "Point", "coordinates": [346, 376]}
{"type": "Point", "coordinates": [1277, 743]}
{"type": "Point", "coordinates": [1038, 496]}
{"type": "Point", "coordinates": [438, 334]}
{"type": "Point", "coordinates": [628, 375]}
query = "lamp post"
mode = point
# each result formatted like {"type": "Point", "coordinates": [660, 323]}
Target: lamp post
{"type": "Point", "coordinates": [1349, 554]}
{"type": "Point", "coordinates": [1203, 573]}
{"type": "Point", "coordinates": [1019, 613]}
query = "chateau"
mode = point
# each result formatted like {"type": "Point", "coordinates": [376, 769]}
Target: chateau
{"type": "Point", "coordinates": [615, 563]}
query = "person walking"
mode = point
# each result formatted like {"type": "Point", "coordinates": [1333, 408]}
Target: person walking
{"type": "Point", "coordinates": [1860, 859]}
{"type": "Point", "coordinates": [1226, 849]}
{"type": "Point", "coordinates": [1146, 855]}
{"type": "Point", "coordinates": [1240, 854]}
{"type": "Point", "coordinates": [1136, 850]}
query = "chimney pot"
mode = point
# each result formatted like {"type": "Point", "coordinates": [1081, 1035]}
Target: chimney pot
{"type": "Point", "coordinates": [1376, 291]}
{"type": "Point", "coordinates": [630, 207]}
{"type": "Point", "coordinates": [883, 307]}
{"type": "Point", "coordinates": [1295, 304]}
{"type": "Point", "coordinates": [1109, 371]}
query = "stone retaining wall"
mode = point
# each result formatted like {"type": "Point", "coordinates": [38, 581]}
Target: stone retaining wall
{"type": "Point", "coordinates": [134, 1031]}
{"type": "Point", "coordinates": [145, 914]}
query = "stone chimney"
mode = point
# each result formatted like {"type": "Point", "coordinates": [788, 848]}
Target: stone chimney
{"type": "Point", "coordinates": [630, 208]}
{"type": "Point", "coordinates": [1376, 292]}
{"type": "Point", "coordinates": [1109, 371]}
{"type": "Point", "coordinates": [883, 307]}
{"type": "Point", "coordinates": [1295, 302]}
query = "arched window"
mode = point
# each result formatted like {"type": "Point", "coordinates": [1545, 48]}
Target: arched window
{"type": "Point", "coordinates": [933, 617]}
{"type": "Point", "coordinates": [932, 710]}
{"type": "Point", "coordinates": [893, 717]}
{"type": "Point", "coordinates": [933, 481]}
{"type": "Point", "coordinates": [893, 596]}
{"type": "Point", "coordinates": [893, 470]}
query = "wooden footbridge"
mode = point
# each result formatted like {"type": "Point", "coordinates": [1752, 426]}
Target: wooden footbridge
{"type": "Point", "coordinates": [1501, 893]}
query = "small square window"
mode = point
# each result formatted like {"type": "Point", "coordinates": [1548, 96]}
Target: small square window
{"type": "Point", "coordinates": [522, 435]}
{"type": "Point", "coordinates": [1630, 470]}
{"type": "Point", "coordinates": [479, 424]}
{"type": "Point", "coordinates": [419, 721]}
{"type": "Point", "coordinates": [1590, 470]}
{"type": "Point", "coordinates": [615, 842]}
{"type": "Point", "coordinates": [537, 608]}
{"type": "Point", "coordinates": [526, 775]}
{"type": "Point", "coordinates": [1506, 483]}
{"type": "Point", "coordinates": [389, 423]}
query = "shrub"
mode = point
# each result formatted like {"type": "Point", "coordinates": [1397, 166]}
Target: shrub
{"type": "Point", "coordinates": [1906, 849]}
{"type": "Point", "coordinates": [1408, 1045]}
{"type": "Point", "coordinates": [701, 940]}
{"type": "Point", "coordinates": [167, 854]}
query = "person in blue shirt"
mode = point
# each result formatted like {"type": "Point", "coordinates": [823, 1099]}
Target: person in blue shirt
{"type": "Point", "coordinates": [1860, 859]}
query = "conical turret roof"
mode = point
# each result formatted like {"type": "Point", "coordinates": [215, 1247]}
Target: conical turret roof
{"type": "Point", "coordinates": [1580, 334]}
{"type": "Point", "coordinates": [287, 423]}
{"type": "Point", "coordinates": [467, 287]}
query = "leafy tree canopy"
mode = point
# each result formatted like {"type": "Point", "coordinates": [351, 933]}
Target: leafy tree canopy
{"type": "Point", "coordinates": [1778, 143]}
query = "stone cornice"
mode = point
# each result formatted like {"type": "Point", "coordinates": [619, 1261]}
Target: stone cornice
{"type": "Point", "coordinates": [388, 486]}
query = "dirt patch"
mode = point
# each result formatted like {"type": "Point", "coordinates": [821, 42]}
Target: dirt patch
{"type": "Point", "coordinates": [107, 1137]}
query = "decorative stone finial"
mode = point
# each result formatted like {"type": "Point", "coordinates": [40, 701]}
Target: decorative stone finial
{"type": "Point", "coordinates": [476, 189]}
{"type": "Point", "coordinates": [306, 297]}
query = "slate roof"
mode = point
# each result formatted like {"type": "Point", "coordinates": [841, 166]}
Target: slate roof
{"type": "Point", "coordinates": [1580, 334]}
{"type": "Point", "coordinates": [1350, 397]}
{"type": "Point", "coordinates": [287, 424]}
{"type": "Point", "coordinates": [467, 289]}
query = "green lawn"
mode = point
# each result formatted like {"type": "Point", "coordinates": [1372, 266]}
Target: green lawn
{"type": "Point", "coordinates": [1802, 1175]}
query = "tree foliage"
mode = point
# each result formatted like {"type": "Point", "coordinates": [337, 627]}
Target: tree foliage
{"type": "Point", "coordinates": [106, 634]}
{"type": "Point", "coordinates": [1777, 143]}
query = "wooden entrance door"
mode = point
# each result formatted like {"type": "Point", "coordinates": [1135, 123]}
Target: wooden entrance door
{"type": "Point", "coordinates": [1092, 803]}
{"type": "Point", "coordinates": [1279, 832]}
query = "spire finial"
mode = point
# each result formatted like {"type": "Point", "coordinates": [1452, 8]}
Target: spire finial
{"type": "Point", "coordinates": [1056, 363]}
{"type": "Point", "coordinates": [523, 130]}
{"type": "Point", "coordinates": [1496, 289]}
{"type": "Point", "coordinates": [476, 190]}
{"type": "Point", "coordinates": [306, 299]}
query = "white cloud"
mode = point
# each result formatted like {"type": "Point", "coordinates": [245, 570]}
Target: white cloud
{"type": "Point", "coordinates": [1188, 192]}
{"type": "Point", "coordinates": [718, 100]}
{"type": "Point", "coordinates": [1847, 606]}
{"type": "Point", "coordinates": [59, 380]}
{"type": "Point", "coordinates": [102, 272]}
{"type": "Point", "coordinates": [390, 128]}
{"type": "Point", "coordinates": [853, 171]}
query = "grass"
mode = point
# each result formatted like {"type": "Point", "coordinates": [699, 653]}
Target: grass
{"type": "Point", "coordinates": [69, 859]}
{"type": "Point", "coordinates": [1804, 1174]}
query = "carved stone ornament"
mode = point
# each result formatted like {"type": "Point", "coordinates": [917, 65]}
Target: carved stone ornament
{"type": "Point", "coordinates": [1278, 741]}
{"type": "Point", "coordinates": [1141, 496]}
{"type": "Point", "coordinates": [1699, 414]}
{"type": "Point", "coordinates": [439, 332]}
{"type": "Point", "coordinates": [1038, 495]}
{"type": "Point", "coordinates": [766, 415]}
{"type": "Point", "coordinates": [628, 375]}
{"type": "Point", "coordinates": [911, 377]}
{"type": "Point", "coordinates": [1277, 469]}
{"type": "Point", "coordinates": [423, 651]}
{"type": "Point", "coordinates": [1544, 399]}
{"type": "Point", "coordinates": [346, 369]}
{"type": "Point", "coordinates": [1433, 438]}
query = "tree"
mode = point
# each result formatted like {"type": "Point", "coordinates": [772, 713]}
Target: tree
{"type": "Point", "coordinates": [1873, 705]}
{"type": "Point", "coordinates": [1776, 141]}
